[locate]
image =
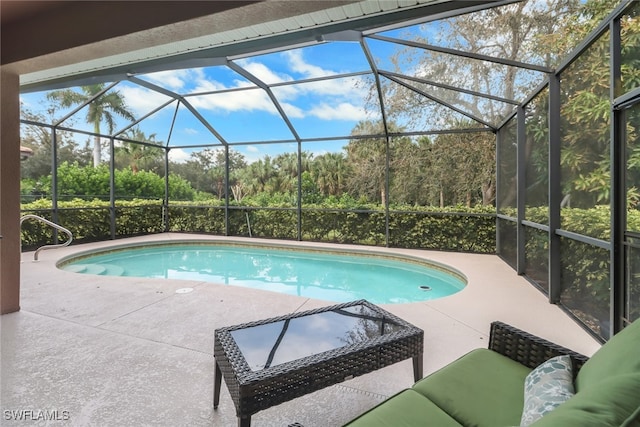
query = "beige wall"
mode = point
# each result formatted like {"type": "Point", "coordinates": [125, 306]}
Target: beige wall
{"type": "Point", "coordinates": [9, 192]}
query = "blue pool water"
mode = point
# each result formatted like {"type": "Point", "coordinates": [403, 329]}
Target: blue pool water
{"type": "Point", "coordinates": [332, 276]}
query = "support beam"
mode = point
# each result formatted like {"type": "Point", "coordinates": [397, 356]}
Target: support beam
{"type": "Point", "coordinates": [618, 200]}
{"type": "Point", "coordinates": [522, 188]}
{"type": "Point", "coordinates": [555, 191]}
{"type": "Point", "coordinates": [9, 192]}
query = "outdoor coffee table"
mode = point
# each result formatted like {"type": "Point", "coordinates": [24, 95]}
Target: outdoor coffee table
{"type": "Point", "coordinates": [271, 361]}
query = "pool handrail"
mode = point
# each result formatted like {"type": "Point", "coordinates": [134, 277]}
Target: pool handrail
{"type": "Point", "coordinates": [52, 224]}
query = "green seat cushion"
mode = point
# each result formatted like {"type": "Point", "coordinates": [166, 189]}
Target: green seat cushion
{"type": "Point", "coordinates": [618, 356]}
{"type": "Point", "coordinates": [614, 402]}
{"type": "Point", "coordinates": [406, 409]}
{"type": "Point", "coordinates": [482, 388]}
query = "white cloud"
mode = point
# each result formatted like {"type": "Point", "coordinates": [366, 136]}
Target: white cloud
{"type": "Point", "coordinates": [263, 73]}
{"type": "Point", "coordinates": [292, 111]}
{"type": "Point", "coordinates": [249, 100]}
{"type": "Point", "coordinates": [191, 131]}
{"type": "Point", "coordinates": [253, 149]}
{"type": "Point", "coordinates": [345, 87]}
{"type": "Point", "coordinates": [333, 98]}
{"type": "Point", "coordinates": [173, 80]}
{"type": "Point", "coordinates": [178, 155]}
{"type": "Point", "coordinates": [297, 63]}
{"type": "Point", "coordinates": [142, 100]}
{"type": "Point", "coordinates": [342, 111]}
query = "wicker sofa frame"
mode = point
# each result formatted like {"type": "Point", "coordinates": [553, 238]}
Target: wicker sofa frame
{"type": "Point", "coordinates": [527, 349]}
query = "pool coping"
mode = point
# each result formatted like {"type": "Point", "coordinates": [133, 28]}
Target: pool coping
{"type": "Point", "coordinates": [425, 262]}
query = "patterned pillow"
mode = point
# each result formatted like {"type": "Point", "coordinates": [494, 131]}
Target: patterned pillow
{"type": "Point", "coordinates": [546, 387]}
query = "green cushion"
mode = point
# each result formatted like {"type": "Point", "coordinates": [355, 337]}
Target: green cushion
{"type": "Point", "coordinates": [482, 388]}
{"type": "Point", "coordinates": [614, 402]}
{"type": "Point", "coordinates": [618, 356]}
{"type": "Point", "coordinates": [407, 408]}
{"type": "Point", "coordinates": [633, 420]}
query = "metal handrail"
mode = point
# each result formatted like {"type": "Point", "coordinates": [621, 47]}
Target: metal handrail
{"type": "Point", "coordinates": [52, 224]}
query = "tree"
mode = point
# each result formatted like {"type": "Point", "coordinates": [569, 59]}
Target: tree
{"type": "Point", "coordinates": [206, 170]}
{"type": "Point", "coordinates": [410, 171]}
{"type": "Point", "coordinates": [586, 105]}
{"type": "Point", "coordinates": [367, 161]}
{"type": "Point", "coordinates": [39, 139]}
{"type": "Point", "coordinates": [102, 108]}
{"type": "Point", "coordinates": [330, 172]}
{"type": "Point", "coordinates": [464, 167]}
{"type": "Point", "coordinates": [509, 32]}
{"type": "Point", "coordinates": [256, 176]}
{"type": "Point", "coordinates": [140, 155]}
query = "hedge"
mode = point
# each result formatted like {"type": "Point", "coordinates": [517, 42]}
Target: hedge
{"type": "Point", "coordinates": [90, 220]}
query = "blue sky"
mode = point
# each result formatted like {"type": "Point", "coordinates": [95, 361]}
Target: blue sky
{"type": "Point", "coordinates": [328, 108]}
{"type": "Point", "coordinates": [241, 112]}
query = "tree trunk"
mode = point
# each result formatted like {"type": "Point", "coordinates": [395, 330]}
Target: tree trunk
{"type": "Point", "coordinates": [220, 186]}
{"type": "Point", "coordinates": [97, 151]}
{"type": "Point", "coordinates": [488, 192]}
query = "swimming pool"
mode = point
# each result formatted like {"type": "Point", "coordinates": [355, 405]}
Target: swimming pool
{"type": "Point", "coordinates": [334, 275]}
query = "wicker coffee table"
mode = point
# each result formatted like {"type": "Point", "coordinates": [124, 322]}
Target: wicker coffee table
{"type": "Point", "coordinates": [269, 362]}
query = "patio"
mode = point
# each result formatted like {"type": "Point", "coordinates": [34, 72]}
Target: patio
{"type": "Point", "coordinates": [130, 351]}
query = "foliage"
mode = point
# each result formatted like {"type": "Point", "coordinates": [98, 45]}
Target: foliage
{"type": "Point", "coordinates": [90, 220]}
{"type": "Point", "coordinates": [463, 168]}
{"type": "Point", "coordinates": [585, 267]}
{"type": "Point", "coordinates": [139, 156]}
{"type": "Point", "coordinates": [367, 158]}
{"type": "Point", "coordinates": [205, 170]}
{"type": "Point", "coordinates": [94, 182]}
{"type": "Point", "coordinates": [586, 107]}
{"type": "Point", "coordinates": [39, 139]}
{"type": "Point", "coordinates": [509, 32]}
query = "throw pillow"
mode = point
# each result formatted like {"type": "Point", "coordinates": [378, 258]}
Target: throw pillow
{"type": "Point", "coordinates": [546, 387]}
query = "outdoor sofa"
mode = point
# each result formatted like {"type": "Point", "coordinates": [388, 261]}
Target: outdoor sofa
{"type": "Point", "coordinates": [486, 387]}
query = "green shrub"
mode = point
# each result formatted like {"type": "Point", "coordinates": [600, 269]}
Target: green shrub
{"type": "Point", "coordinates": [94, 183]}
{"type": "Point", "coordinates": [91, 220]}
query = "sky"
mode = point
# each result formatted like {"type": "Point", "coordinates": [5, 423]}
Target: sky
{"type": "Point", "coordinates": [328, 108]}
{"type": "Point", "coordinates": [242, 113]}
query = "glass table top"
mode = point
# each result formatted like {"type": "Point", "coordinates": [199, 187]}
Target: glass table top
{"type": "Point", "coordinates": [282, 341]}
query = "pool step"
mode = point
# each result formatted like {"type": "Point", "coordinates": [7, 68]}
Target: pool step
{"type": "Point", "coordinates": [94, 269]}
{"type": "Point", "coordinates": [76, 268]}
{"type": "Point", "coordinates": [98, 269]}
{"type": "Point", "coordinates": [112, 270]}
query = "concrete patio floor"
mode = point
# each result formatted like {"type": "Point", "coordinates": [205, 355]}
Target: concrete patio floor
{"type": "Point", "coordinates": [115, 351]}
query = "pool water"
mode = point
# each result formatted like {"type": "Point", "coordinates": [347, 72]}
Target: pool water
{"type": "Point", "coordinates": [331, 276]}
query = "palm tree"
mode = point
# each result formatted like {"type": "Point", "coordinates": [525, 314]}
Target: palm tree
{"type": "Point", "coordinates": [257, 175]}
{"type": "Point", "coordinates": [138, 154]}
{"type": "Point", "coordinates": [102, 108]}
{"type": "Point", "coordinates": [330, 173]}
